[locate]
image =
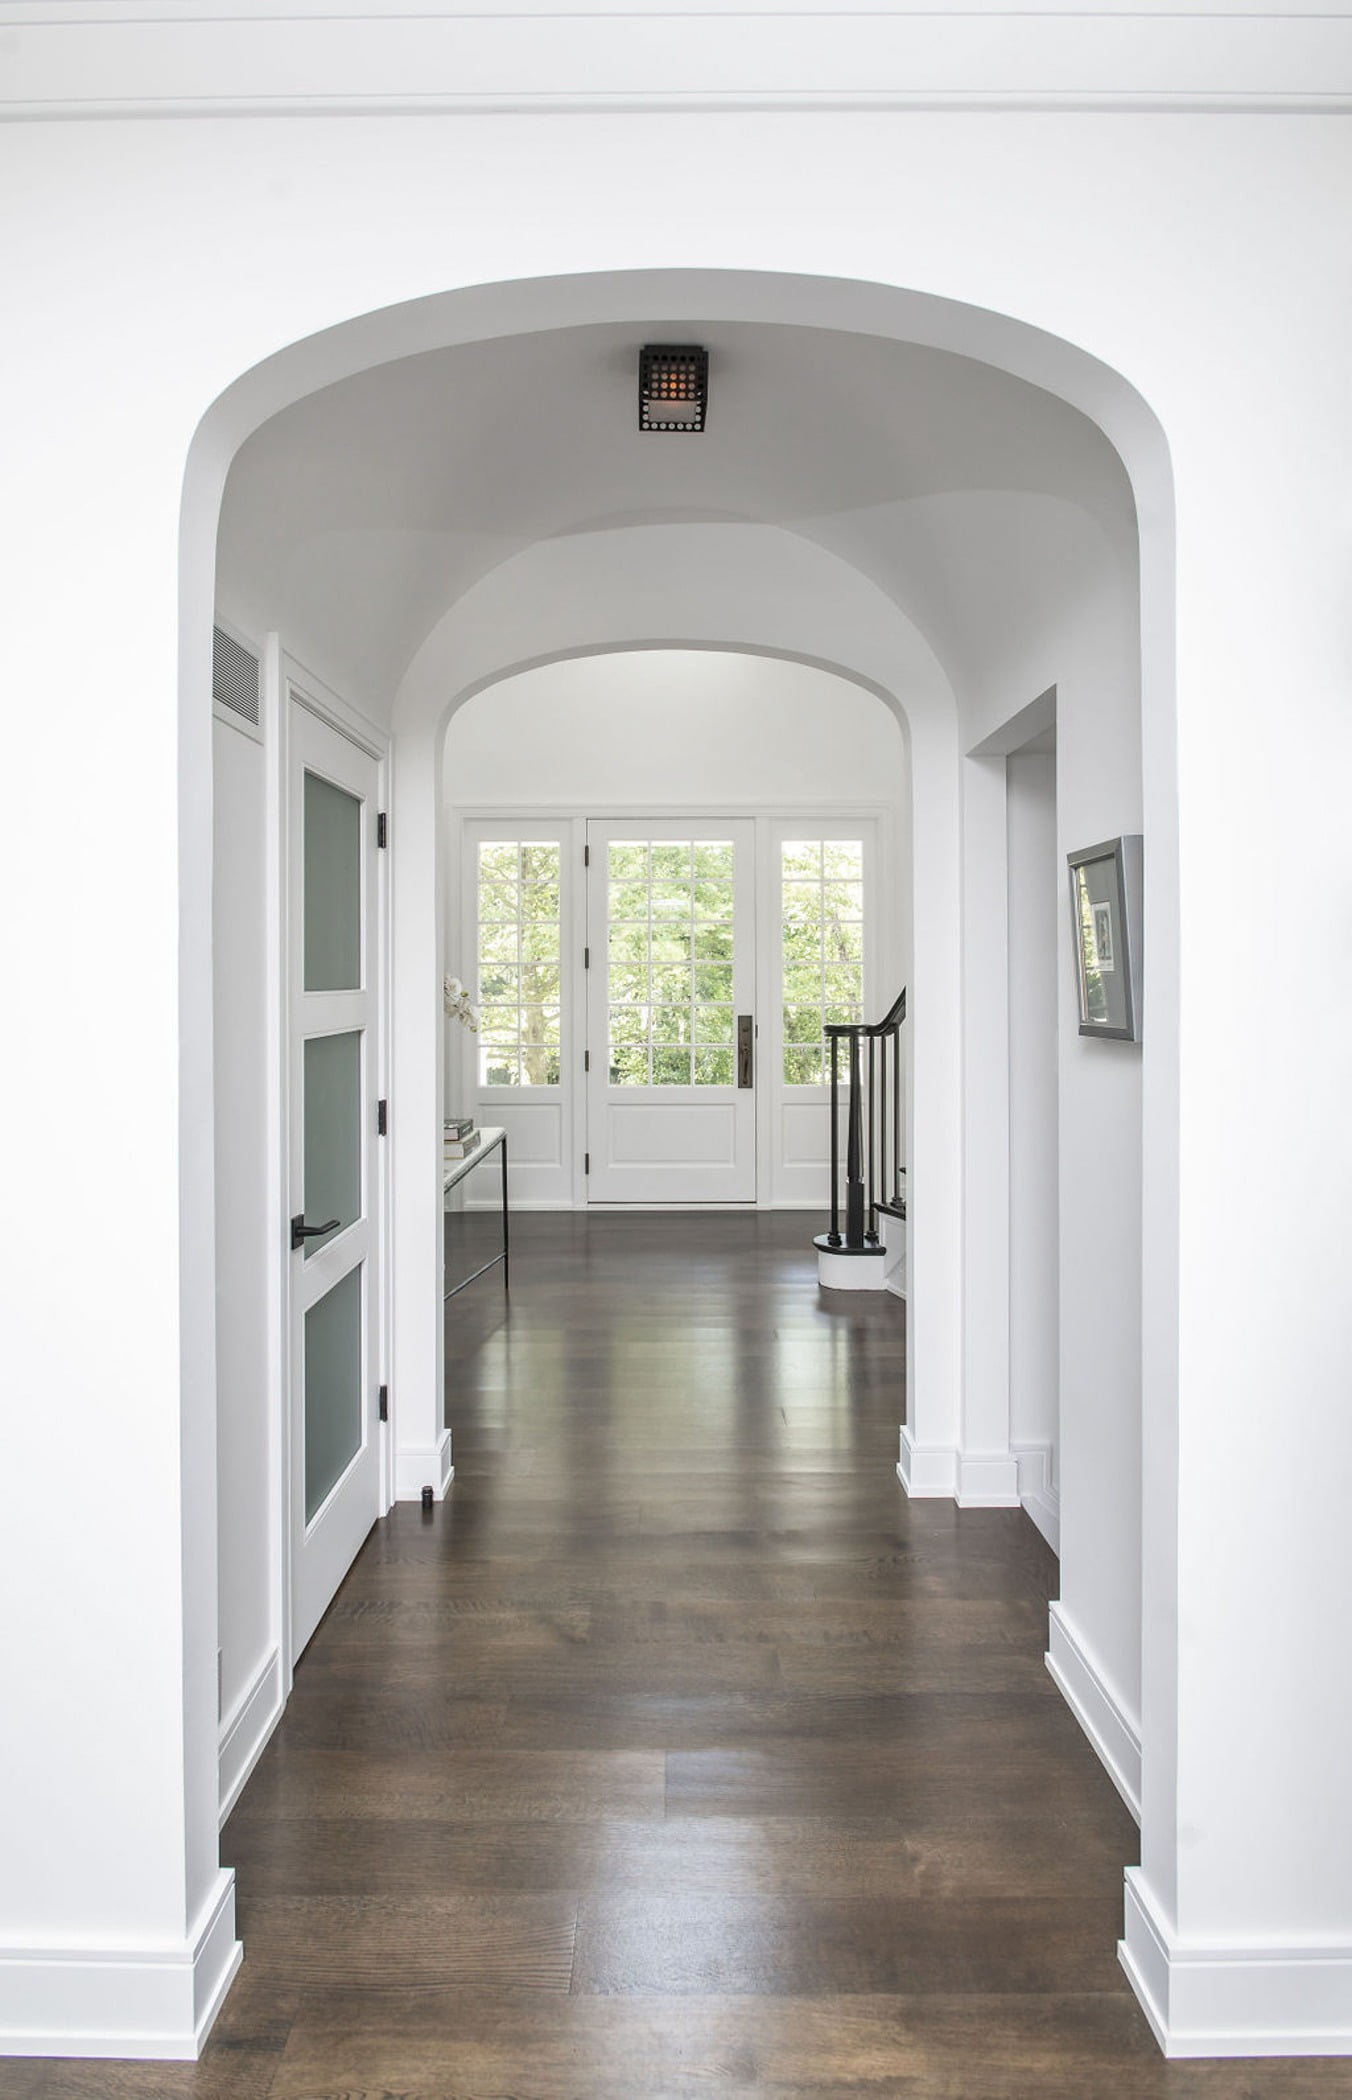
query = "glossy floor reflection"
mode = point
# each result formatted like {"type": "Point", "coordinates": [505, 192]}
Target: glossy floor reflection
{"type": "Point", "coordinates": [678, 1754]}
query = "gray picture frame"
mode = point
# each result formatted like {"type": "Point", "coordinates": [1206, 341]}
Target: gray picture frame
{"type": "Point", "coordinates": [1106, 910]}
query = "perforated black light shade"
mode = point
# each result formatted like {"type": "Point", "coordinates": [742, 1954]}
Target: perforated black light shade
{"type": "Point", "coordinates": [673, 386]}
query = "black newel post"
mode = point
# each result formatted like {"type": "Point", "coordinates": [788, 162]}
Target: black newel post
{"type": "Point", "coordinates": [854, 1150]}
{"type": "Point", "coordinates": [834, 1234]}
{"type": "Point", "coordinates": [870, 1214]}
{"type": "Point", "coordinates": [883, 1154]}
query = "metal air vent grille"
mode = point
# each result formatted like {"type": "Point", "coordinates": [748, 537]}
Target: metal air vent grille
{"type": "Point", "coordinates": [234, 676]}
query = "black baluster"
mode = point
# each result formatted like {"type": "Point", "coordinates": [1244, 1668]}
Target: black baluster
{"type": "Point", "coordinates": [896, 1113]}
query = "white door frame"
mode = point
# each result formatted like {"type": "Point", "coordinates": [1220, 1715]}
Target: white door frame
{"type": "Point", "coordinates": [295, 685]}
{"type": "Point", "coordinates": [885, 952]}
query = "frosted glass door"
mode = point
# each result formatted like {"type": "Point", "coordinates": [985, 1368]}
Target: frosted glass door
{"type": "Point", "coordinates": [333, 1273]}
{"type": "Point", "coordinates": [671, 1110]}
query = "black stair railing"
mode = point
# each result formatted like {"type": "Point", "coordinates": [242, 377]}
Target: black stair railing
{"type": "Point", "coordinates": [874, 1177]}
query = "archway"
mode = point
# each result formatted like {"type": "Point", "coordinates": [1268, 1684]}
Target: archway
{"type": "Point", "coordinates": [752, 586]}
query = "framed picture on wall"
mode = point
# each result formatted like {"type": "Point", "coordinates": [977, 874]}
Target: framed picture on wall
{"type": "Point", "coordinates": [1105, 921]}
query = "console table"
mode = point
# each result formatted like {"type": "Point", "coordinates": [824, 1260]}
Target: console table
{"type": "Point", "coordinates": [455, 1172]}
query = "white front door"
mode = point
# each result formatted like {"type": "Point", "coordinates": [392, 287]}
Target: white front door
{"type": "Point", "coordinates": [334, 978]}
{"type": "Point", "coordinates": [671, 1096]}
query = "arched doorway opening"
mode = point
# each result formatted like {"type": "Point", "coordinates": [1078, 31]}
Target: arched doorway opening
{"type": "Point", "coordinates": [791, 573]}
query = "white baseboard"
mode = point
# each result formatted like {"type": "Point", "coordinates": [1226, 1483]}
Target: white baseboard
{"type": "Point", "coordinates": [927, 1473]}
{"type": "Point", "coordinates": [155, 2001]}
{"type": "Point", "coordinates": [988, 1480]}
{"type": "Point", "coordinates": [1097, 1708]}
{"type": "Point", "coordinates": [1234, 2001]}
{"type": "Point", "coordinates": [246, 1728]}
{"type": "Point", "coordinates": [974, 1480]}
{"type": "Point", "coordinates": [417, 1466]}
{"type": "Point", "coordinates": [1041, 1500]}
{"type": "Point", "coordinates": [895, 1256]}
{"type": "Point", "coordinates": [807, 1206]}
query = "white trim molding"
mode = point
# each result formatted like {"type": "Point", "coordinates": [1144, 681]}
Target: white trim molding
{"type": "Point", "coordinates": [1040, 1499]}
{"type": "Point", "coordinates": [894, 1232]}
{"type": "Point", "coordinates": [246, 1728]}
{"type": "Point", "coordinates": [1096, 1706]}
{"type": "Point", "coordinates": [417, 1466]}
{"type": "Point", "coordinates": [1234, 2001]}
{"type": "Point", "coordinates": [290, 57]}
{"type": "Point", "coordinates": [927, 1473]}
{"type": "Point", "coordinates": [156, 2001]}
{"type": "Point", "coordinates": [988, 1480]}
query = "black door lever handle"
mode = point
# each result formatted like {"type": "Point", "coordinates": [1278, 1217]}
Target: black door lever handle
{"type": "Point", "coordinates": [301, 1232]}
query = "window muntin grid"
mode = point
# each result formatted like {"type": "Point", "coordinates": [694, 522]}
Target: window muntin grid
{"type": "Point", "coordinates": [669, 960]}
{"type": "Point", "coordinates": [519, 966]}
{"type": "Point", "coordinates": [822, 899]}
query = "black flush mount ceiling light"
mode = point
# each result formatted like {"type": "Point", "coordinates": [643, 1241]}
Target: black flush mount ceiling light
{"type": "Point", "coordinates": [673, 386]}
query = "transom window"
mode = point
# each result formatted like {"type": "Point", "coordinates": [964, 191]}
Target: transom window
{"type": "Point", "coordinates": [822, 895]}
{"type": "Point", "coordinates": [670, 956]}
{"type": "Point", "coordinates": [519, 963]}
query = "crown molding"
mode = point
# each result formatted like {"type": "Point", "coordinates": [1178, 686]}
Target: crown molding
{"type": "Point", "coordinates": [62, 59]}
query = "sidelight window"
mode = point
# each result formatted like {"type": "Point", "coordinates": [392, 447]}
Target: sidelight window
{"type": "Point", "coordinates": [520, 962]}
{"type": "Point", "coordinates": [822, 899]}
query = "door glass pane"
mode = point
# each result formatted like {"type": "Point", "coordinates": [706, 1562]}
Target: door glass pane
{"type": "Point", "coordinates": [333, 1387]}
{"type": "Point", "coordinates": [332, 887]}
{"type": "Point", "coordinates": [519, 963]}
{"type": "Point", "coordinates": [332, 1132]}
{"type": "Point", "coordinates": [822, 904]}
{"type": "Point", "coordinates": [669, 950]}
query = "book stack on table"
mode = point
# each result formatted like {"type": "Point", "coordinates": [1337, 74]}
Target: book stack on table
{"type": "Point", "coordinates": [459, 1138]}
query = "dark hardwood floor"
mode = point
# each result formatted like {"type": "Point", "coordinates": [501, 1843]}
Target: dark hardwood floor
{"type": "Point", "coordinates": [678, 1754]}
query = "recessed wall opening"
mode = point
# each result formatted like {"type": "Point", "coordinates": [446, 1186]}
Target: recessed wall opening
{"type": "Point", "coordinates": [647, 850]}
{"type": "Point", "coordinates": [582, 660]}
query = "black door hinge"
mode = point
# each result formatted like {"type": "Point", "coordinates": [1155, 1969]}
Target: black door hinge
{"type": "Point", "coordinates": [382, 1119]}
{"type": "Point", "coordinates": [586, 1162]}
{"type": "Point", "coordinates": [586, 958]}
{"type": "Point", "coordinates": [586, 1060]}
{"type": "Point", "coordinates": [384, 1403]}
{"type": "Point", "coordinates": [382, 829]}
{"type": "Point", "coordinates": [586, 856]}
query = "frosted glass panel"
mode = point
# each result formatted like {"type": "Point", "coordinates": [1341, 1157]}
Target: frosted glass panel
{"type": "Point", "coordinates": [333, 1385]}
{"type": "Point", "coordinates": [332, 1132]}
{"type": "Point", "coordinates": [332, 887]}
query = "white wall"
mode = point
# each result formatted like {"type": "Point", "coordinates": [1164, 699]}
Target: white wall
{"type": "Point", "coordinates": [246, 1227]}
{"type": "Point", "coordinates": [1082, 644]}
{"type": "Point", "coordinates": [1035, 930]}
{"type": "Point", "coordinates": [680, 727]}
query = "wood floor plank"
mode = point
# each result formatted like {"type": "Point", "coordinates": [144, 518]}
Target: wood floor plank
{"type": "Point", "coordinates": [532, 1785]}
{"type": "Point", "coordinates": [407, 1941]}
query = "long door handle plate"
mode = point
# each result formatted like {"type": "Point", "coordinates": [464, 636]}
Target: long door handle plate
{"type": "Point", "coordinates": [746, 1032]}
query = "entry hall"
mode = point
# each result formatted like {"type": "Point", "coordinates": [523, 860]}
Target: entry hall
{"type": "Point", "coordinates": [863, 496]}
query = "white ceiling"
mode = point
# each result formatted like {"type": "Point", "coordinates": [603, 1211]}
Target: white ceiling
{"type": "Point", "coordinates": [353, 520]}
